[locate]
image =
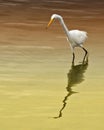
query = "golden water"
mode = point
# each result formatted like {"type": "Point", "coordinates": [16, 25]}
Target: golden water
{"type": "Point", "coordinates": [39, 87]}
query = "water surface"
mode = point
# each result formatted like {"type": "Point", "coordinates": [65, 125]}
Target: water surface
{"type": "Point", "coordinates": [39, 87]}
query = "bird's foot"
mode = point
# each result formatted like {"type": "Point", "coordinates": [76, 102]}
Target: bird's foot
{"type": "Point", "coordinates": [85, 61]}
{"type": "Point", "coordinates": [73, 63]}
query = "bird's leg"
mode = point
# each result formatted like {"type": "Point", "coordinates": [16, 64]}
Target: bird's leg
{"type": "Point", "coordinates": [73, 59]}
{"type": "Point", "coordinates": [86, 52]}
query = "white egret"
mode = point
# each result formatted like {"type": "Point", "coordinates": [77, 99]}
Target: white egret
{"type": "Point", "coordinates": [75, 37]}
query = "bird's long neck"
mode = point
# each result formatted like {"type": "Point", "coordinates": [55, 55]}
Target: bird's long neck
{"type": "Point", "coordinates": [64, 26]}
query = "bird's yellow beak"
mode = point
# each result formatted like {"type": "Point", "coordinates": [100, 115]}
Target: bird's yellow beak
{"type": "Point", "coordinates": [51, 20]}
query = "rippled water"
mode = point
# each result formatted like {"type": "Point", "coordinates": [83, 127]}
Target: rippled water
{"type": "Point", "coordinates": [39, 87]}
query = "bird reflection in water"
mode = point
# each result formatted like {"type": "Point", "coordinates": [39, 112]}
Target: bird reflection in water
{"type": "Point", "coordinates": [75, 76]}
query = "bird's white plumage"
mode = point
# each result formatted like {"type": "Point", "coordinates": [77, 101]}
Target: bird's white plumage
{"type": "Point", "coordinates": [77, 37]}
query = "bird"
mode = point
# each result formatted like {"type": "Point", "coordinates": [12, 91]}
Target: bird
{"type": "Point", "coordinates": [76, 38]}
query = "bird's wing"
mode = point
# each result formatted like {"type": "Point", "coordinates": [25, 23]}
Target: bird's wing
{"type": "Point", "coordinates": [77, 36]}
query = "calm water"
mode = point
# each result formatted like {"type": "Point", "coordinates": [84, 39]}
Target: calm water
{"type": "Point", "coordinates": [39, 87]}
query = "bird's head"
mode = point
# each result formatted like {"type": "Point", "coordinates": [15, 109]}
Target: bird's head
{"type": "Point", "coordinates": [53, 17]}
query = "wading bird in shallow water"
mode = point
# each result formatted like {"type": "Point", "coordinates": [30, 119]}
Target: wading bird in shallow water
{"type": "Point", "coordinates": [75, 37]}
